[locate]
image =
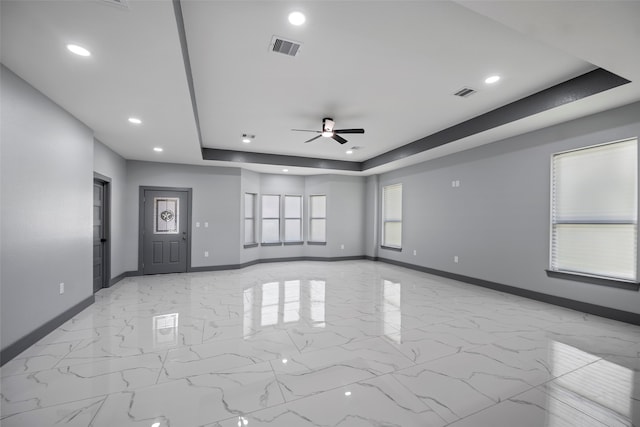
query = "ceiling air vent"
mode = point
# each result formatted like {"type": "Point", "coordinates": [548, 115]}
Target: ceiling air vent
{"type": "Point", "coordinates": [465, 92]}
{"type": "Point", "coordinates": [123, 4]}
{"type": "Point", "coordinates": [288, 47]}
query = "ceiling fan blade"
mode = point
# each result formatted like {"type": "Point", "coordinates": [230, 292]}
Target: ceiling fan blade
{"type": "Point", "coordinates": [313, 139]}
{"type": "Point", "coordinates": [338, 138]}
{"type": "Point", "coordinates": [306, 130]}
{"type": "Point", "coordinates": [349, 131]}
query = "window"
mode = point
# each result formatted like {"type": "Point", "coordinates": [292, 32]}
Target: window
{"type": "Point", "coordinates": [292, 218]}
{"type": "Point", "coordinates": [594, 211]}
{"type": "Point", "coordinates": [318, 219]}
{"type": "Point", "coordinates": [249, 219]}
{"type": "Point", "coordinates": [270, 219]}
{"type": "Point", "coordinates": [392, 216]}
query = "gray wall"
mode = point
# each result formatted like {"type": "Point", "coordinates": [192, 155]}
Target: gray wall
{"type": "Point", "coordinates": [46, 173]}
{"type": "Point", "coordinates": [344, 194]}
{"type": "Point", "coordinates": [216, 201]}
{"type": "Point", "coordinates": [497, 221]}
{"type": "Point", "coordinates": [346, 216]}
{"type": "Point", "coordinates": [108, 163]}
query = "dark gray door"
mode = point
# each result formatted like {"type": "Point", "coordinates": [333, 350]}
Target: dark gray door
{"type": "Point", "coordinates": [165, 235]}
{"type": "Point", "coordinates": [99, 236]}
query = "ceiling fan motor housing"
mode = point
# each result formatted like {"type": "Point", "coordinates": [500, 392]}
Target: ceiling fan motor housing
{"type": "Point", "coordinates": [327, 124]}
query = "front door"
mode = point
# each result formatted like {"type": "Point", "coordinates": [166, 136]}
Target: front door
{"type": "Point", "coordinates": [165, 234]}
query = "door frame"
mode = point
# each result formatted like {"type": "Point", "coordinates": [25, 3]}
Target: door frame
{"type": "Point", "coordinates": [105, 181]}
{"type": "Point", "coordinates": [141, 222]}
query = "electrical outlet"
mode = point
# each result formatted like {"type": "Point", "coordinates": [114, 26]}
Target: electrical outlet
{"type": "Point", "coordinates": [415, 252]}
{"type": "Point", "coordinates": [206, 225]}
{"type": "Point", "coordinates": [342, 246]}
{"type": "Point", "coordinates": [455, 259]}
{"type": "Point", "coordinates": [206, 254]}
{"type": "Point", "coordinates": [197, 225]}
{"type": "Point", "coordinates": [61, 288]}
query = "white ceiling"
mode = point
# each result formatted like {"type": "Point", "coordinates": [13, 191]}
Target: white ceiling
{"type": "Point", "coordinates": [390, 67]}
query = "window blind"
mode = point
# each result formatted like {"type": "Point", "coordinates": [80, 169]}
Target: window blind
{"type": "Point", "coordinates": [392, 216]}
{"type": "Point", "coordinates": [594, 210]}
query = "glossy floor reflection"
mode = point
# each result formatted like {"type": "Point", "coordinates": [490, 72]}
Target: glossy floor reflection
{"type": "Point", "coordinates": [353, 343]}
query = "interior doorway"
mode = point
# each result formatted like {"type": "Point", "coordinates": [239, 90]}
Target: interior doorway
{"type": "Point", "coordinates": [101, 232]}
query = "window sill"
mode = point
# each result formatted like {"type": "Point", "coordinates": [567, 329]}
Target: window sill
{"type": "Point", "coordinates": [271, 244]}
{"type": "Point", "coordinates": [595, 280]}
{"type": "Point", "coordinates": [293, 243]}
{"type": "Point", "coordinates": [317, 243]}
{"type": "Point", "coordinates": [250, 245]}
{"type": "Point", "coordinates": [391, 248]}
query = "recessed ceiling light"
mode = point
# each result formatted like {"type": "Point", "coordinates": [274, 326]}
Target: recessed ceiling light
{"type": "Point", "coordinates": [347, 393]}
{"type": "Point", "coordinates": [135, 120]}
{"type": "Point", "coordinates": [492, 79]}
{"type": "Point", "coordinates": [158, 149]}
{"type": "Point", "coordinates": [349, 151]}
{"type": "Point", "coordinates": [285, 170]}
{"type": "Point", "coordinates": [297, 18]}
{"type": "Point", "coordinates": [78, 50]}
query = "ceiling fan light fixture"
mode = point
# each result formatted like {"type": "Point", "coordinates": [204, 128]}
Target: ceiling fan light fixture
{"type": "Point", "coordinates": [327, 134]}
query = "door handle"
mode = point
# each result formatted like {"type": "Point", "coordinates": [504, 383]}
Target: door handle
{"type": "Point", "coordinates": [184, 235]}
{"type": "Point", "coordinates": [103, 240]}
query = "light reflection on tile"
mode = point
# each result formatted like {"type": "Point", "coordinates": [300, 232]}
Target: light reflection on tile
{"type": "Point", "coordinates": [312, 343]}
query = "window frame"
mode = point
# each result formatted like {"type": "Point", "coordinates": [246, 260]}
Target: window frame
{"type": "Point", "coordinates": [312, 217]}
{"type": "Point", "coordinates": [587, 277]}
{"type": "Point", "coordinates": [299, 218]}
{"type": "Point", "coordinates": [263, 218]}
{"type": "Point", "coordinates": [383, 242]}
{"type": "Point", "coordinates": [254, 241]}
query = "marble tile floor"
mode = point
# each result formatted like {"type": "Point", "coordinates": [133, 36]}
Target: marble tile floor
{"type": "Point", "coordinates": [353, 343]}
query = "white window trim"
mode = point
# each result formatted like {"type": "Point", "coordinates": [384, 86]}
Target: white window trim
{"type": "Point", "coordinates": [384, 244]}
{"type": "Point", "coordinates": [254, 240]}
{"type": "Point", "coordinates": [312, 217]}
{"type": "Point", "coordinates": [279, 218]}
{"type": "Point", "coordinates": [581, 276]}
{"type": "Point", "coordinates": [285, 217]}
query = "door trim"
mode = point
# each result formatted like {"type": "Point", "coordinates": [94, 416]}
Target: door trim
{"type": "Point", "coordinates": [106, 253]}
{"type": "Point", "coordinates": [141, 222]}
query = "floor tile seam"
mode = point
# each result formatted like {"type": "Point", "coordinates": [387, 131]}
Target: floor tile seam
{"type": "Point", "coordinates": [402, 385]}
{"type": "Point", "coordinates": [275, 377]}
{"type": "Point", "coordinates": [98, 396]}
{"type": "Point", "coordinates": [98, 411]}
{"type": "Point", "coordinates": [500, 401]}
{"type": "Point", "coordinates": [107, 358]}
{"type": "Point", "coordinates": [542, 390]}
{"type": "Point", "coordinates": [55, 366]}
{"type": "Point", "coordinates": [164, 360]}
{"type": "Point", "coordinates": [373, 376]}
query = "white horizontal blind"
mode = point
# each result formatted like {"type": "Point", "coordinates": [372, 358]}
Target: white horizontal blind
{"type": "Point", "coordinates": [292, 218]}
{"type": "Point", "coordinates": [270, 219]}
{"type": "Point", "coordinates": [249, 218]}
{"type": "Point", "coordinates": [392, 216]}
{"type": "Point", "coordinates": [318, 218]}
{"type": "Point", "coordinates": [595, 210]}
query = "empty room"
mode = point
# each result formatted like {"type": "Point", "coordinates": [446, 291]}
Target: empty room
{"type": "Point", "coordinates": [319, 213]}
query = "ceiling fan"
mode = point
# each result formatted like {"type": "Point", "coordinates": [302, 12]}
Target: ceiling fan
{"type": "Point", "coordinates": [329, 132]}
